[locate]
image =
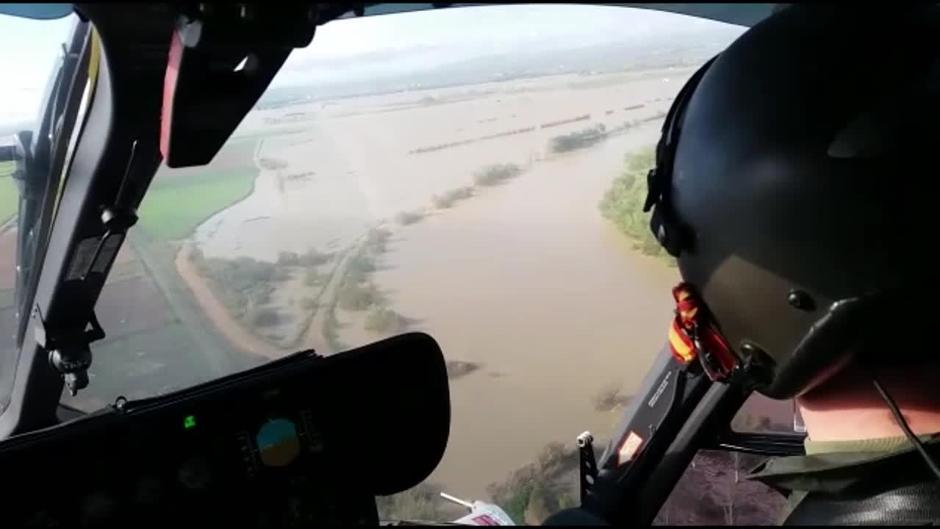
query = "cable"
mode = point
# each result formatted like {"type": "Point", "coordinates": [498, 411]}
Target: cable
{"type": "Point", "coordinates": [904, 426]}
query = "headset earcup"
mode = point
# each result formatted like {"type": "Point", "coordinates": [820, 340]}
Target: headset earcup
{"type": "Point", "coordinates": [663, 222]}
{"type": "Point", "coordinates": [666, 231]}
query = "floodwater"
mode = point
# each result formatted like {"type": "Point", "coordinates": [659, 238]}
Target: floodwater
{"type": "Point", "coordinates": [525, 278]}
{"type": "Point", "coordinates": [531, 282]}
{"type": "Point", "coordinates": [351, 164]}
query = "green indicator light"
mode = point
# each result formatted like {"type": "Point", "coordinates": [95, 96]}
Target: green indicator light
{"type": "Point", "coordinates": [189, 422]}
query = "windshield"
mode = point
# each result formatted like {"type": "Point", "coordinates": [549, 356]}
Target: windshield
{"type": "Point", "coordinates": [29, 49]}
{"type": "Point", "coordinates": [450, 171]}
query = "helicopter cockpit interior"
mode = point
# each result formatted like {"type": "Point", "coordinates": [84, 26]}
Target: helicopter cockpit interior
{"type": "Point", "coordinates": [152, 108]}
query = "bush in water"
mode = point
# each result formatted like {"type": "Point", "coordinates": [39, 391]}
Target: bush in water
{"type": "Point", "coordinates": [242, 282]}
{"type": "Point", "coordinates": [262, 317]}
{"type": "Point", "coordinates": [408, 217]}
{"type": "Point", "coordinates": [311, 257]}
{"type": "Point", "coordinates": [496, 173]}
{"type": "Point", "coordinates": [272, 164]}
{"type": "Point", "coordinates": [622, 204]}
{"type": "Point", "coordinates": [382, 320]}
{"type": "Point", "coordinates": [376, 239]}
{"type": "Point", "coordinates": [308, 303]}
{"type": "Point", "coordinates": [356, 297]}
{"type": "Point", "coordinates": [359, 269]}
{"type": "Point", "coordinates": [449, 198]}
{"type": "Point", "coordinates": [537, 489]}
{"type": "Point", "coordinates": [313, 278]}
{"type": "Point", "coordinates": [578, 140]}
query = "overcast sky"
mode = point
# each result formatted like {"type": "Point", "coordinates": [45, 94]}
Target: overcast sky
{"type": "Point", "coordinates": [29, 47]}
{"type": "Point", "coordinates": [436, 36]}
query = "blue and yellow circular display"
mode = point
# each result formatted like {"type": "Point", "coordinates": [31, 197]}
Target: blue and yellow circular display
{"type": "Point", "coordinates": [278, 444]}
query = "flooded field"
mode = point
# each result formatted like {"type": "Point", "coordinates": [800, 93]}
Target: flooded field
{"type": "Point", "coordinates": [354, 163]}
{"type": "Point", "coordinates": [470, 213]}
{"type": "Point", "coordinates": [454, 186]}
{"type": "Point", "coordinates": [362, 164]}
{"type": "Point", "coordinates": [522, 278]}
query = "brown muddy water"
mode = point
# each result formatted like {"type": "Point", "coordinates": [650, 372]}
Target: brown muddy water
{"type": "Point", "coordinates": [530, 281]}
{"type": "Point", "coordinates": [525, 278]}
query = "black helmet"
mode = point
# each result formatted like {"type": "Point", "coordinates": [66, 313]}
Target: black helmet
{"type": "Point", "coordinates": [791, 183]}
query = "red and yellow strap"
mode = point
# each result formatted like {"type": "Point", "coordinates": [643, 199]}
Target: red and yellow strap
{"type": "Point", "coordinates": [693, 334]}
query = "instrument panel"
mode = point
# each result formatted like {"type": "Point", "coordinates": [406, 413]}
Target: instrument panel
{"type": "Point", "coordinates": [304, 441]}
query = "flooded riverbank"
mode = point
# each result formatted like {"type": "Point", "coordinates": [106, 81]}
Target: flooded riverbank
{"type": "Point", "coordinates": [522, 278]}
{"type": "Point", "coordinates": [528, 280]}
{"type": "Point", "coordinates": [450, 186]}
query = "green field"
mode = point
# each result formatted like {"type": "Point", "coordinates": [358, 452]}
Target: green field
{"type": "Point", "coordinates": [146, 363]}
{"type": "Point", "coordinates": [8, 193]}
{"type": "Point", "coordinates": [173, 207]}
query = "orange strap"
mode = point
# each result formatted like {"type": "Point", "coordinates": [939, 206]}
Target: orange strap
{"type": "Point", "coordinates": [693, 334]}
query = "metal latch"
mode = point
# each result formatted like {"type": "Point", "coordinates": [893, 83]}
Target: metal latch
{"type": "Point", "coordinates": [587, 464]}
{"type": "Point", "coordinates": [69, 351]}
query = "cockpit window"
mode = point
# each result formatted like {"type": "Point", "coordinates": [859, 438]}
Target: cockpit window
{"type": "Point", "coordinates": [456, 172]}
{"type": "Point", "coordinates": [29, 52]}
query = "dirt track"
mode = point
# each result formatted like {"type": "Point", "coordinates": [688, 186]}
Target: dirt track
{"type": "Point", "coordinates": [315, 335]}
{"type": "Point", "coordinates": [213, 308]}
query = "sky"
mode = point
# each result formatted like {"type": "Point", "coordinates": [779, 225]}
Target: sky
{"type": "Point", "coordinates": [436, 36]}
{"type": "Point", "coordinates": [28, 48]}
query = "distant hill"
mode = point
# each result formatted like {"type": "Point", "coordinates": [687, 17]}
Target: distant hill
{"type": "Point", "coordinates": [372, 74]}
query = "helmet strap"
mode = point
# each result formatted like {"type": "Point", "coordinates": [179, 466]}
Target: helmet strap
{"type": "Point", "coordinates": [693, 334]}
{"type": "Point", "coordinates": [663, 222]}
